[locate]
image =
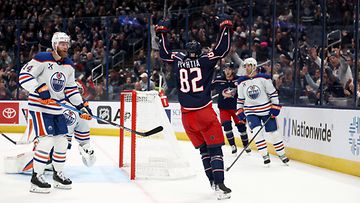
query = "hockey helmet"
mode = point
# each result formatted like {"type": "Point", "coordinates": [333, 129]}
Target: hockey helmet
{"type": "Point", "coordinates": [230, 65]}
{"type": "Point", "coordinates": [193, 49]}
{"type": "Point", "coordinates": [59, 37]}
{"type": "Point", "coordinates": [250, 61]}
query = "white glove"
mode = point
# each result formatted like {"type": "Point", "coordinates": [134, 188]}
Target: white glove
{"type": "Point", "coordinates": [88, 154]}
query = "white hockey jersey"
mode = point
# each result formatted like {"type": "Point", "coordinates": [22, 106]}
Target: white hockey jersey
{"type": "Point", "coordinates": [256, 95]}
{"type": "Point", "coordinates": [58, 76]}
{"type": "Point", "coordinates": [77, 127]}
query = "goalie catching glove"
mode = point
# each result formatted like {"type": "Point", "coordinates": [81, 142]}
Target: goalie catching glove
{"type": "Point", "coordinates": [87, 154]}
{"type": "Point", "coordinates": [87, 113]}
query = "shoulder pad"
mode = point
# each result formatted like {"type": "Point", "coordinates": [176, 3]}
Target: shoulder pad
{"type": "Point", "coordinates": [242, 79]}
{"type": "Point", "coordinates": [68, 61]}
{"type": "Point", "coordinates": [44, 56]}
{"type": "Point", "coordinates": [263, 75]}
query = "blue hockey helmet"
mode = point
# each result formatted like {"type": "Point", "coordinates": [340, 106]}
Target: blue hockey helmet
{"type": "Point", "coordinates": [193, 49]}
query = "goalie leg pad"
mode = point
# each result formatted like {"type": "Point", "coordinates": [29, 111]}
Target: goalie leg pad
{"type": "Point", "coordinates": [22, 163]}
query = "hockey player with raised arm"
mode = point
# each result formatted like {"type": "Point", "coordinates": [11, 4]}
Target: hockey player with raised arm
{"type": "Point", "coordinates": [226, 87]}
{"type": "Point", "coordinates": [194, 73]}
{"type": "Point", "coordinates": [50, 77]}
{"type": "Point", "coordinates": [257, 100]}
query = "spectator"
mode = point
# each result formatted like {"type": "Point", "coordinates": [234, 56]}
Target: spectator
{"type": "Point", "coordinates": [144, 82]}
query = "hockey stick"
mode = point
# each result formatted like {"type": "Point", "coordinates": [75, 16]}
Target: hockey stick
{"type": "Point", "coordinates": [214, 96]}
{"type": "Point", "coordinates": [232, 164]}
{"type": "Point", "coordinates": [24, 113]}
{"type": "Point", "coordinates": [13, 141]}
{"type": "Point", "coordinates": [144, 134]}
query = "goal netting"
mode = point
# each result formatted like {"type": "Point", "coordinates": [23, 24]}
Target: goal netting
{"type": "Point", "coordinates": [154, 157]}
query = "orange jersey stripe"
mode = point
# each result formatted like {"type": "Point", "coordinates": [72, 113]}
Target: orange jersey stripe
{"type": "Point", "coordinates": [40, 124]}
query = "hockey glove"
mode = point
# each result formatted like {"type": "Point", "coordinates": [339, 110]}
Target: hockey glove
{"type": "Point", "coordinates": [44, 94]}
{"type": "Point", "coordinates": [224, 21]}
{"type": "Point", "coordinates": [241, 115]}
{"type": "Point", "coordinates": [88, 154]}
{"type": "Point", "coordinates": [87, 113]}
{"type": "Point", "coordinates": [163, 26]}
{"type": "Point", "coordinates": [275, 110]}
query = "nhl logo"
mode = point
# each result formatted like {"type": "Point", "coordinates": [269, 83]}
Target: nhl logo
{"type": "Point", "coordinates": [57, 81]}
{"type": "Point", "coordinates": [253, 92]}
{"type": "Point", "coordinates": [70, 117]}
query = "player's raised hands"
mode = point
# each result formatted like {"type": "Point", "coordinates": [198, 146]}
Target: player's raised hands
{"type": "Point", "coordinates": [163, 26]}
{"type": "Point", "coordinates": [224, 20]}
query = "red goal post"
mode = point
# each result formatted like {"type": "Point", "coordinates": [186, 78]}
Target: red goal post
{"type": "Point", "coordinates": [156, 156]}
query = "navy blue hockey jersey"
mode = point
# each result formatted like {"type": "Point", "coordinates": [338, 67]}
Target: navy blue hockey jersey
{"type": "Point", "coordinates": [194, 76]}
{"type": "Point", "coordinates": [221, 84]}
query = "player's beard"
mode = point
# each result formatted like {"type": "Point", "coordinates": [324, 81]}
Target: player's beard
{"type": "Point", "coordinates": [62, 54]}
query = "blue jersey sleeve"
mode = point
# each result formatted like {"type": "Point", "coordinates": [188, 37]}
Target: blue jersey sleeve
{"type": "Point", "coordinates": [165, 52]}
{"type": "Point", "coordinates": [223, 45]}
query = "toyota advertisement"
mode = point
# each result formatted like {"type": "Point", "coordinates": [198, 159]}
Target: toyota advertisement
{"type": "Point", "coordinates": [9, 113]}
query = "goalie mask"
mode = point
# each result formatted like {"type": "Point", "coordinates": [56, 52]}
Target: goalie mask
{"type": "Point", "coordinates": [193, 49]}
{"type": "Point", "coordinates": [57, 38]}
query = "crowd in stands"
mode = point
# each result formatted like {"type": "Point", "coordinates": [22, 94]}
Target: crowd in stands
{"type": "Point", "coordinates": [98, 27]}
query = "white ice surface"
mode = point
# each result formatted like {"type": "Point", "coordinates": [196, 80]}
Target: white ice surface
{"type": "Point", "coordinates": [249, 180]}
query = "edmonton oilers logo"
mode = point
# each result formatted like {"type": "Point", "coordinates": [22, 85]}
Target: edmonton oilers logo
{"type": "Point", "coordinates": [57, 81]}
{"type": "Point", "coordinates": [354, 136]}
{"type": "Point", "coordinates": [253, 91]}
{"type": "Point", "coordinates": [70, 117]}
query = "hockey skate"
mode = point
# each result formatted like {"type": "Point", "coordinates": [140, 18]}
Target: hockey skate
{"type": "Point", "coordinates": [248, 150]}
{"type": "Point", "coordinates": [60, 181]}
{"type": "Point", "coordinates": [222, 192]}
{"type": "Point", "coordinates": [284, 159]}
{"type": "Point", "coordinates": [212, 185]}
{"type": "Point", "coordinates": [233, 149]}
{"type": "Point", "coordinates": [38, 184]}
{"type": "Point", "coordinates": [266, 159]}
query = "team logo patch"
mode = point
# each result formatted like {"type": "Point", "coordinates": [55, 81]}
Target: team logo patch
{"type": "Point", "coordinates": [57, 81]}
{"type": "Point", "coordinates": [253, 92]}
{"type": "Point", "coordinates": [70, 117]}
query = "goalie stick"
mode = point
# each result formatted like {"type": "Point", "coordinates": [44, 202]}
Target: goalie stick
{"type": "Point", "coordinates": [13, 141]}
{"type": "Point", "coordinates": [144, 134]}
{"type": "Point", "coordinates": [262, 126]}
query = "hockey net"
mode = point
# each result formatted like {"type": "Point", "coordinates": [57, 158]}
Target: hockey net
{"type": "Point", "coordinates": [157, 156]}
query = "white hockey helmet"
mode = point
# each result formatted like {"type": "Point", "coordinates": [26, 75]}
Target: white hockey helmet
{"type": "Point", "coordinates": [59, 37]}
{"type": "Point", "coordinates": [250, 61]}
